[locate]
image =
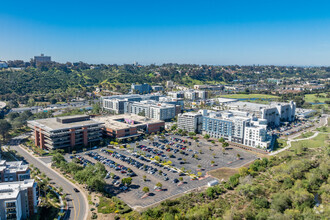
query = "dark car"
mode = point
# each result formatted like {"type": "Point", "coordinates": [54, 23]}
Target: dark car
{"type": "Point", "coordinates": [76, 190]}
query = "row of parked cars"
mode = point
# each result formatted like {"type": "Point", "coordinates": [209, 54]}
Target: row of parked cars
{"type": "Point", "coordinates": [148, 168]}
{"type": "Point", "coordinates": [83, 161]}
{"type": "Point", "coordinates": [112, 164]}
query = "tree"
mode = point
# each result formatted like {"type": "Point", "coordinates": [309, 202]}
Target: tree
{"type": "Point", "coordinates": [191, 134]}
{"type": "Point", "coordinates": [31, 102]}
{"type": "Point", "coordinates": [127, 181]}
{"type": "Point", "coordinates": [222, 140]}
{"type": "Point", "coordinates": [199, 174]}
{"type": "Point", "coordinates": [157, 158]}
{"type": "Point", "coordinates": [145, 189]}
{"type": "Point", "coordinates": [174, 127]}
{"type": "Point", "coordinates": [206, 136]}
{"type": "Point", "coordinates": [243, 171]}
{"type": "Point", "coordinates": [212, 162]}
{"type": "Point", "coordinates": [144, 178]}
{"type": "Point", "coordinates": [5, 127]}
{"type": "Point", "coordinates": [159, 185]}
{"type": "Point", "coordinates": [238, 156]}
{"type": "Point", "coordinates": [181, 178]}
{"type": "Point", "coordinates": [225, 144]}
{"type": "Point", "coordinates": [280, 202]}
{"type": "Point", "coordinates": [210, 192]}
{"type": "Point", "coordinates": [199, 166]}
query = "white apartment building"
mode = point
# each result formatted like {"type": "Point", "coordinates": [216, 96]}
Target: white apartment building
{"type": "Point", "coordinates": [256, 135]}
{"type": "Point", "coordinates": [238, 127]}
{"type": "Point", "coordinates": [151, 109]}
{"type": "Point", "coordinates": [195, 94]}
{"type": "Point", "coordinates": [190, 121]}
{"type": "Point", "coordinates": [18, 200]}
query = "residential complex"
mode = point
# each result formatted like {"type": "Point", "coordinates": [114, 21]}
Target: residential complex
{"type": "Point", "coordinates": [151, 109]}
{"type": "Point", "coordinates": [238, 127]}
{"type": "Point", "coordinates": [129, 126]}
{"type": "Point", "coordinates": [190, 121]}
{"type": "Point", "coordinates": [65, 132]}
{"type": "Point", "coordinates": [18, 200]}
{"type": "Point", "coordinates": [13, 171]}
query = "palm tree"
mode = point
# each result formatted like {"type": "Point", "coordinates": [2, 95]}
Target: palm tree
{"type": "Point", "coordinates": [238, 156]}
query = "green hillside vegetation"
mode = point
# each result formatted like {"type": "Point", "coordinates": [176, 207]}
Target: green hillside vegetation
{"type": "Point", "coordinates": [280, 187]}
{"type": "Point", "coordinates": [250, 96]}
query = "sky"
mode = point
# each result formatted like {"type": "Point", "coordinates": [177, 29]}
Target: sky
{"type": "Point", "coordinates": [218, 32]}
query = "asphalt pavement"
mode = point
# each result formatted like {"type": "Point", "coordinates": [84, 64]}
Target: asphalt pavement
{"type": "Point", "coordinates": [77, 203]}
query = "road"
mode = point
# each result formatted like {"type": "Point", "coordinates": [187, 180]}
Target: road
{"type": "Point", "coordinates": [77, 202]}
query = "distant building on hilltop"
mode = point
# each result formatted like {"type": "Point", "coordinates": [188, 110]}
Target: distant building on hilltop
{"type": "Point", "coordinates": [3, 64]}
{"type": "Point", "coordinates": [141, 89]}
{"type": "Point", "coordinates": [42, 59]}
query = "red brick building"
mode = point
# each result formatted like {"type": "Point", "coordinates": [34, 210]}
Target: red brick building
{"type": "Point", "coordinates": [129, 125]}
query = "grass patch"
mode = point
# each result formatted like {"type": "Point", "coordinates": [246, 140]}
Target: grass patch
{"type": "Point", "coordinates": [305, 135]}
{"type": "Point", "coordinates": [223, 173]}
{"type": "Point", "coordinates": [312, 98]}
{"type": "Point", "coordinates": [112, 205]}
{"type": "Point", "coordinates": [250, 96]}
{"type": "Point", "coordinates": [316, 142]}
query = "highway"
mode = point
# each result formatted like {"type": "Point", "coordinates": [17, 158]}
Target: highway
{"type": "Point", "coordinates": [77, 202]}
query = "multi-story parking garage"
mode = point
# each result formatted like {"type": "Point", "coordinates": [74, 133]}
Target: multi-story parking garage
{"type": "Point", "coordinates": [64, 132]}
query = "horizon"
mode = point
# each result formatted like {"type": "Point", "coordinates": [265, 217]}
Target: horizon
{"type": "Point", "coordinates": [217, 33]}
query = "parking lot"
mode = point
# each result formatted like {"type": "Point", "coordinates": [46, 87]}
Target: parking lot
{"type": "Point", "coordinates": [189, 163]}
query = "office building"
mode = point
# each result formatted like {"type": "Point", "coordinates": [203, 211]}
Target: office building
{"type": "Point", "coordinates": [190, 121]}
{"type": "Point", "coordinates": [129, 126]}
{"type": "Point", "coordinates": [157, 88]}
{"type": "Point", "coordinates": [141, 88]}
{"type": "Point", "coordinates": [3, 64]}
{"type": "Point", "coordinates": [42, 59]}
{"type": "Point", "coordinates": [13, 171]}
{"type": "Point", "coordinates": [151, 109]}
{"type": "Point", "coordinates": [116, 104]}
{"type": "Point", "coordinates": [65, 132]}
{"type": "Point", "coordinates": [18, 200]}
{"type": "Point", "coordinates": [274, 113]}
{"type": "Point", "coordinates": [169, 84]}
{"type": "Point", "coordinates": [176, 95]}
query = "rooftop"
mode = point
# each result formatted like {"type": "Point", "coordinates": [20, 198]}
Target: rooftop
{"type": "Point", "coordinates": [10, 190]}
{"type": "Point", "coordinates": [53, 124]}
{"type": "Point", "coordinates": [13, 167]}
{"type": "Point", "coordinates": [123, 121]}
